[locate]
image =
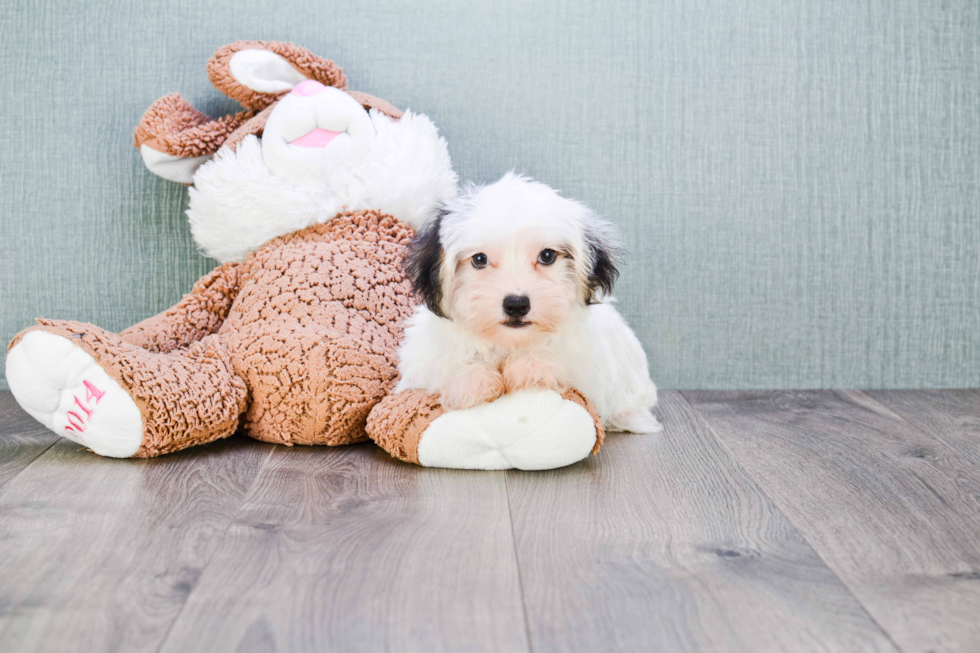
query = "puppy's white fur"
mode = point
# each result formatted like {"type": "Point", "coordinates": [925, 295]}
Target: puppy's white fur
{"type": "Point", "coordinates": [461, 344]}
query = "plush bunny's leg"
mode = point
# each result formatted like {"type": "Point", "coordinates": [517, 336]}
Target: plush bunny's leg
{"type": "Point", "coordinates": [537, 429]}
{"type": "Point", "coordinates": [199, 313]}
{"type": "Point", "coordinates": [92, 387]}
{"type": "Point", "coordinates": [62, 386]}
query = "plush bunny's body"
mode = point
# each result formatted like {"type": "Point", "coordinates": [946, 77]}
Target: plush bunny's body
{"type": "Point", "coordinates": [296, 343]}
{"type": "Point", "coordinates": [294, 337]}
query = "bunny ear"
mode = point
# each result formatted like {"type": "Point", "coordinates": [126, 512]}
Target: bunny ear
{"type": "Point", "coordinates": [254, 126]}
{"type": "Point", "coordinates": [174, 138]}
{"type": "Point", "coordinates": [371, 102]}
{"type": "Point", "coordinates": [257, 73]}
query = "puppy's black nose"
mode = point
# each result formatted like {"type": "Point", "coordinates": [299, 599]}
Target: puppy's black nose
{"type": "Point", "coordinates": [517, 306]}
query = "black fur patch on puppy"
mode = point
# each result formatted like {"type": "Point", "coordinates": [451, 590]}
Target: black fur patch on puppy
{"type": "Point", "coordinates": [604, 255]}
{"type": "Point", "coordinates": [424, 263]}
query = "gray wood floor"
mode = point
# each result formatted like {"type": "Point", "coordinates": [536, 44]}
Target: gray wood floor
{"type": "Point", "coordinates": [758, 521]}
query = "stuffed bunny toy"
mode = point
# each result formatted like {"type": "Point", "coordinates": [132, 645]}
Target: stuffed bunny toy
{"type": "Point", "coordinates": [308, 199]}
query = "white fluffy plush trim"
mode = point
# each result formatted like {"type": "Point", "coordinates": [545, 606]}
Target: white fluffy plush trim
{"type": "Point", "coordinates": [410, 174]}
{"type": "Point", "coordinates": [237, 204]}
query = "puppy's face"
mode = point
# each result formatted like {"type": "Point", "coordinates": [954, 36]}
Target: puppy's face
{"type": "Point", "coordinates": [512, 291]}
{"type": "Point", "coordinates": [510, 262]}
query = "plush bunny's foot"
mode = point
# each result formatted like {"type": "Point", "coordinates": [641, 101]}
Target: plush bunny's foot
{"type": "Point", "coordinates": [120, 400]}
{"type": "Point", "coordinates": [534, 429]}
{"type": "Point", "coordinates": [61, 386]}
{"type": "Point", "coordinates": [538, 429]}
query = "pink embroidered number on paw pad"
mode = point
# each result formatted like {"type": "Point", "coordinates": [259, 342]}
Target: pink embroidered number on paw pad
{"type": "Point", "coordinates": [76, 420]}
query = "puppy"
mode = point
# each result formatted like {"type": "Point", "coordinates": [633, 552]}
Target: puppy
{"type": "Point", "coordinates": [514, 284]}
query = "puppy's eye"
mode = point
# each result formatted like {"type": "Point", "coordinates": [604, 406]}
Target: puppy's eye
{"type": "Point", "coordinates": [480, 261]}
{"type": "Point", "coordinates": [547, 256]}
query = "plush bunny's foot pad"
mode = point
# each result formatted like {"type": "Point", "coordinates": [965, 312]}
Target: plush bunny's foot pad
{"type": "Point", "coordinates": [61, 386]}
{"type": "Point", "coordinates": [524, 430]}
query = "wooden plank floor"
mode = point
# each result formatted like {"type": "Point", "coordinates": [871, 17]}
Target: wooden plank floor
{"type": "Point", "coordinates": [758, 521]}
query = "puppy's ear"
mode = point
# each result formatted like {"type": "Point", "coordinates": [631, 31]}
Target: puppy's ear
{"type": "Point", "coordinates": [424, 265]}
{"type": "Point", "coordinates": [604, 253]}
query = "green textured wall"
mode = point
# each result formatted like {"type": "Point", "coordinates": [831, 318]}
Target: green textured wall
{"type": "Point", "coordinates": [798, 181]}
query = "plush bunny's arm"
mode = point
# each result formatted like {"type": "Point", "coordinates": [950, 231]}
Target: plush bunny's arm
{"type": "Point", "coordinates": [529, 429]}
{"type": "Point", "coordinates": [200, 313]}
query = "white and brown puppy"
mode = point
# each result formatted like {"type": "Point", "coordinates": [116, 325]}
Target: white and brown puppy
{"type": "Point", "coordinates": [514, 282]}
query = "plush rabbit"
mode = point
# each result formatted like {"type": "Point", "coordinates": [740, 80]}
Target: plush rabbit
{"type": "Point", "coordinates": [308, 199]}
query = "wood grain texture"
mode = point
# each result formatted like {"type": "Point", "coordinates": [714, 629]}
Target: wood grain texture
{"type": "Point", "coordinates": [662, 543]}
{"type": "Point", "coordinates": [951, 416]}
{"type": "Point", "coordinates": [22, 438]}
{"type": "Point", "coordinates": [98, 554]}
{"type": "Point", "coordinates": [345, 549]}
{"type": "Point", "coordinates": [788, 521]}
{"type": "Point", "coordinates": [894, 511]}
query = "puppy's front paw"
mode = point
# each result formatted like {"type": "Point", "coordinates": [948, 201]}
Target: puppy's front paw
{"type": "Point", "coordinates": [529, 372]}
{"type": "Point", "coordinates": [475, 385]}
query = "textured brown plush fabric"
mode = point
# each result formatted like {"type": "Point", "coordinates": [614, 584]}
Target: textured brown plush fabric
{"type": "Point", "coordinates": [296, 343]}
{"type": "Point", "coordinates": [172, 126]}
{"type": "Point", "coordinates": [315, 328]}
{"type": "Point", "coordinates": [600, 431]}
{"type": "Point", "coordinates": [254, 126]}
{"type": "Point", "coordinates": [322, 70]}
{"type": "Point", "coordinates": [200, 313]}
{"type": "Point", "coordinates": [188, 397]}
{"type": "Point", "coordinates": [396, 424]}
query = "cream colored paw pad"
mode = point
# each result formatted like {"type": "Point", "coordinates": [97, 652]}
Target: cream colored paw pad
{"type": "Point", "coordinates": [524, 430]}
{"type": "Point", "coordinates": [61, 386]}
